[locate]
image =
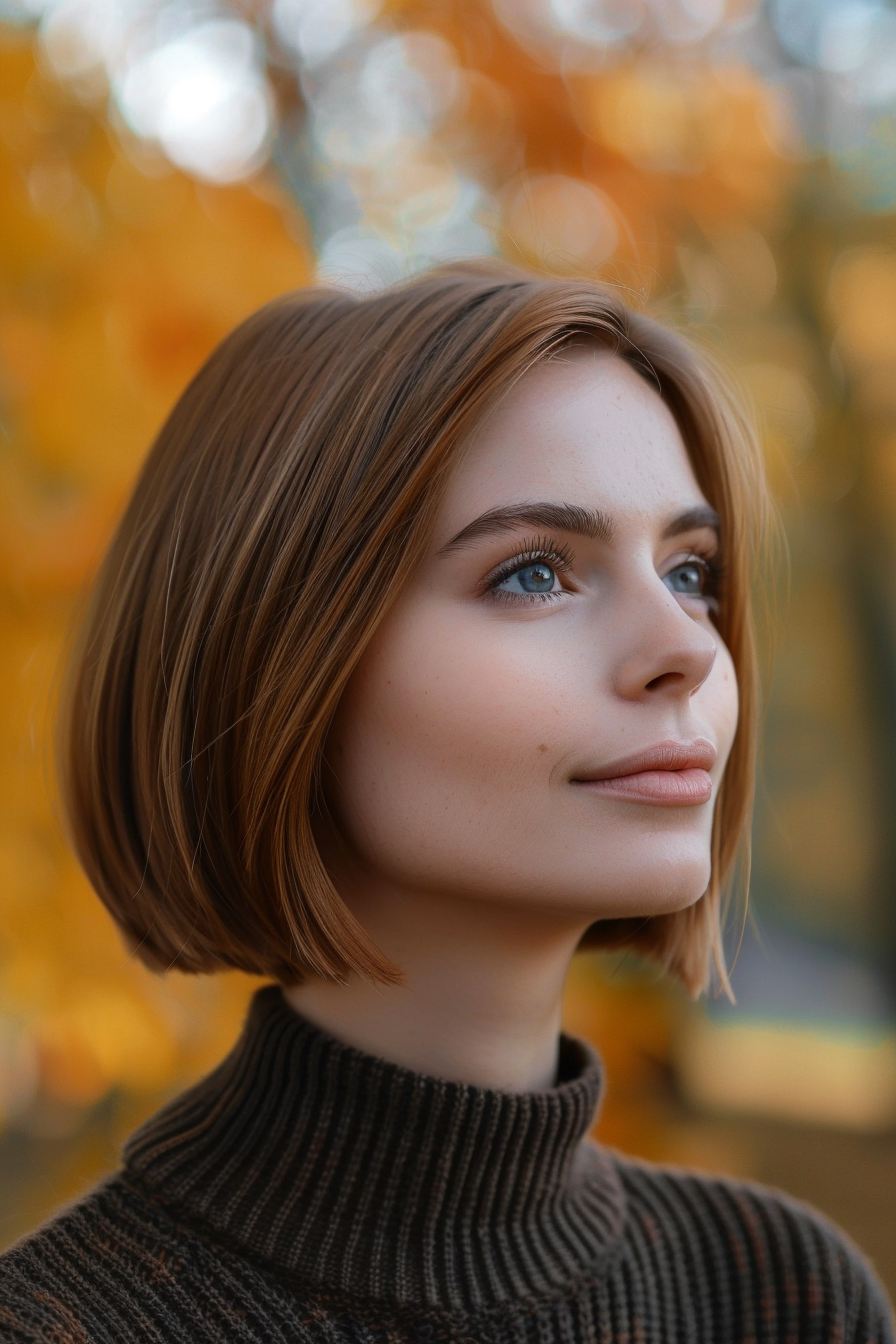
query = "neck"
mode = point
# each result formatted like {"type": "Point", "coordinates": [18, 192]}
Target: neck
{"type": "Point", "coordinates": [482, 994]}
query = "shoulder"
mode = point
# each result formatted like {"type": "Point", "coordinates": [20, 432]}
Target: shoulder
{"type": "Point", "coordinates": [87, 1263]}
{"type": "Point", "coordinates": [118, 1265]}
{"type": "Point", "coordinates": [777, 1256]}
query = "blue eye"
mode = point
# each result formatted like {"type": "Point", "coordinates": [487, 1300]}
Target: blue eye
{"type": "Point", "coordinates": [693, 578]}
{"type": "Point", "coordinates": [537, 578]}
{"type": "Point", "coordinates": [531, 576]}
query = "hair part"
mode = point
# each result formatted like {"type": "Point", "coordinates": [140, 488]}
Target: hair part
{"type": "Point", "coordinates": [284, 505]}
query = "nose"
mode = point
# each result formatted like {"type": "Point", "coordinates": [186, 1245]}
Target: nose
{"type": "Point", "coordinates": [669, 651]}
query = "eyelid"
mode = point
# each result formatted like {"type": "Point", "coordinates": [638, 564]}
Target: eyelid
{"type": "Point", "coordinates": [709, 554]}
{"type": "Point", "coordinates": [533, 549]}
{"type": "Point", "coordinates": [709, 549]}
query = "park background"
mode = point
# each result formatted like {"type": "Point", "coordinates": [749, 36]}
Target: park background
{"type": "Point", "coordinates": [168, 165]}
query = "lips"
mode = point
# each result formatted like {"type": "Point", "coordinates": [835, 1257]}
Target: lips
{"type": "Point", "coordinates": [670, 774]}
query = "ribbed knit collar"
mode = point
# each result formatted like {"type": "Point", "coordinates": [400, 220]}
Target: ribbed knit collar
{"type": "Point", "coordinates": [371, 1180]}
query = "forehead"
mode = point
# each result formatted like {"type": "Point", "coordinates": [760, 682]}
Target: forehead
{"type": "Point", "coordinates": [583, 427]}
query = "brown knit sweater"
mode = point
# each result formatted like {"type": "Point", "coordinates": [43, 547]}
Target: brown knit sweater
{"type": "Point", "coordinates": [308, 1192]}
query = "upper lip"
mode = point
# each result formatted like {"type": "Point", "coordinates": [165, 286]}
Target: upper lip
{"type": "Point", "coordinates": [670, 755]}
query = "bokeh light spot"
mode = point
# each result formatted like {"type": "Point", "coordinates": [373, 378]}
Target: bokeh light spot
{"type": "Point", "coordinates": [561, 224]}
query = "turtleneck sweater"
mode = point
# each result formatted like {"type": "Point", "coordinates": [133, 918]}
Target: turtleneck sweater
{"type": "Point", "coordinates": [307, 1192]}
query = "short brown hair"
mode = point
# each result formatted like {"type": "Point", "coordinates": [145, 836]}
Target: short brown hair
{"type": "Point", "coordinates": [286, 501]}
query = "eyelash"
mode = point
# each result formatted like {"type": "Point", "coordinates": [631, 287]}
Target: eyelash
{"type": "Point", "coordinates": [560, 557]}
{"type": "Point", "coordinates": [715, 573]}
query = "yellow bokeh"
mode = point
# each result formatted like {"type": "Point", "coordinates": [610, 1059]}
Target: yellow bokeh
{"type": "Point", "coordinates": [115, 286]}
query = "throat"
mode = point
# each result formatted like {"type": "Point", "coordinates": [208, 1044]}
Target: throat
{"type": "Point", "coordinates": [489, 1021]}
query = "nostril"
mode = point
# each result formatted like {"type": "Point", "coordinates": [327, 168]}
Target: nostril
{"type": "Point", "coordinates": [665, 679]}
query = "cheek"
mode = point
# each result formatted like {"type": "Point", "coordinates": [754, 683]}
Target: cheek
{"type": "Point", "coordinates": [443, 726]}
{"type": "Point", "coordinates": [720, 704]}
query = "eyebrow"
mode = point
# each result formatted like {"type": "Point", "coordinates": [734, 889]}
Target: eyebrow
{"type": "Point", "coordinates": [591, 523]}
{"type": "Point", "coordinates": [691, 520]}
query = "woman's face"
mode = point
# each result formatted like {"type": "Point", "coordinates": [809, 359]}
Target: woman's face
{"type": "Point", "coordinates": [545, 715]}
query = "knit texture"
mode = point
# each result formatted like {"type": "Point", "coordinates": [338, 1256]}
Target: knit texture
{"type": "Point", "coordinates": [308, 1192]}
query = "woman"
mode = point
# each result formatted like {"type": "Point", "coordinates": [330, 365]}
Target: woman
{"type": "Point", "coordinates": [422, 657]}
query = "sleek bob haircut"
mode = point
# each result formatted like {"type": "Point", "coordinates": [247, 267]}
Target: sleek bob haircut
{"type": "Point", "coordinates": [286, 501]}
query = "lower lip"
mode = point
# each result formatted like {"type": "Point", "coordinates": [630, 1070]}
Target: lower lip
{"type": "Point", "coordinates": [663, 788]}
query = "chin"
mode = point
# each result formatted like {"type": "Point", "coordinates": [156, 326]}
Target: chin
{"type": "Point", "coordinates": [670, 900]}
{"type": "Point", "coordinates": [655, 889]}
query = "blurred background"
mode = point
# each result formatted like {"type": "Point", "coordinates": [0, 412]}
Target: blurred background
{"type": "Point", "coordinates": [168, 165]}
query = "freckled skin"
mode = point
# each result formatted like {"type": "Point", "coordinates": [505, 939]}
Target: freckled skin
{"type": "Point", "coordinates": [464, 724]}
{"type": "Point", "coordinates": [459, 839]}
